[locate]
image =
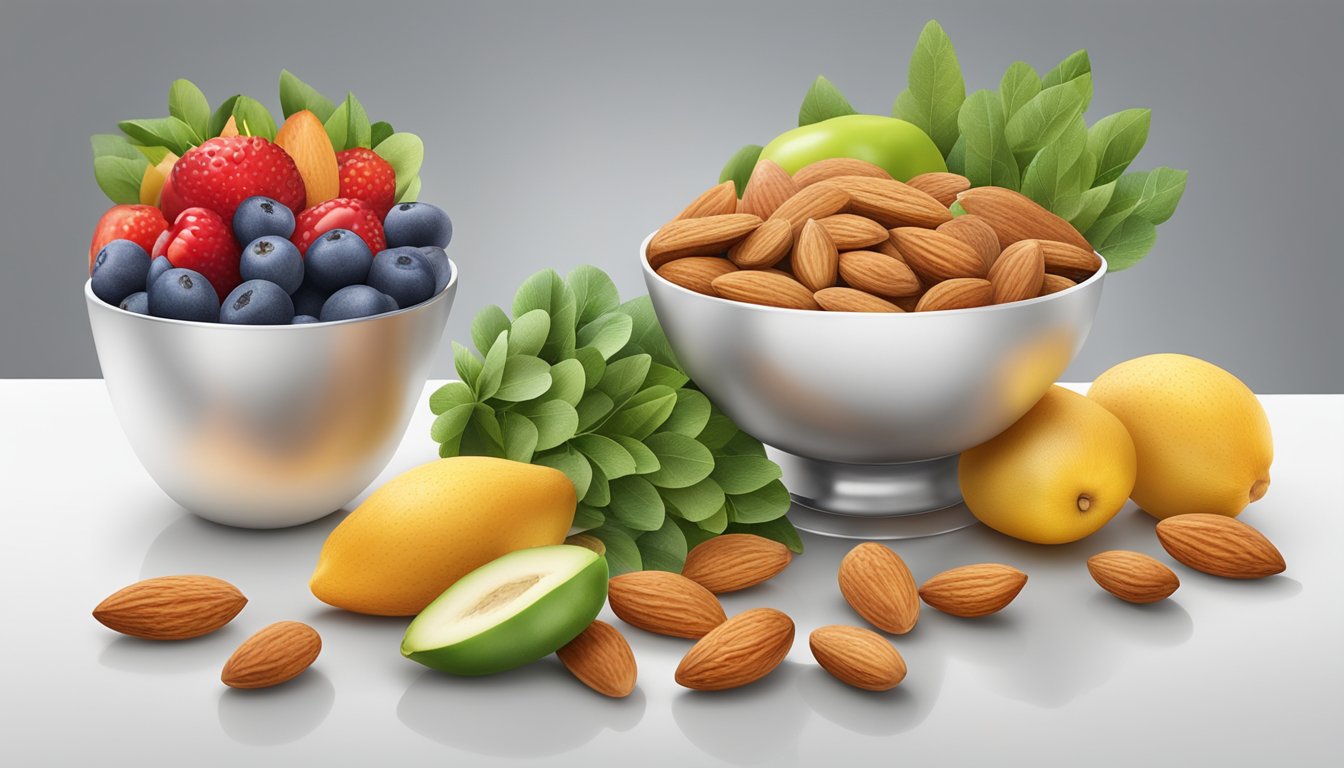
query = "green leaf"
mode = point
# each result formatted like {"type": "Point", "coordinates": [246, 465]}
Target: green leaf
{"type": "Point", "coordinates": [486, 327]}
{"type": "Point", "coordinates": [740, 165]}
{"type": "Point", "coordinates": [492, 373]}
{"type": "Point", "coordinates": [744, 474]}
{"type": "Point", "coordinates": [648, 337]}
{"type": "Point", "coordinates": [694, 534]}
{"type": "Point", "coordinates": [645, 461]}
{"type": "Point", "coordinates": [643, 413]}
{"type": "Point", "coordinates": [607, 334]}
{"type": "Point", "coordinates": [635, 503]}
{"type": "Point", "coordinates": [405, 152]}
{"type": "Point", "coordinates": [718, 430]}
{"type": "Point", "coordinates": [1124, 198]}
{"type": "Point", "coordinates": [768, 503]}
{"type": "Point", "coordinates": [936, 88]}
{"type": "Point", "coordinates": [348, 127]}
{"type": "Point", "coordinates": [663, 549]}
{"type": "Point", "coordinates": [956, 210]}
{"type": "Point", "coordinates": [188, 104]}
{"type": "Point", "coordinates": [823, 101]}
{"type": "Point", "coordinates": [599, 490]}
{"type": "Point", "coordinates": [593, 408]}
{"type": "Point", "coordinates": [690, 415]}
{"type": "Point", "coordinates": [779, 529]}
{"type": "Point", "coordinates": [1090, 205]}
{"type": "Point", "coordinates": [450, 423]}
{"type": "Point", "coordinates": [412, 192]}
{"type": "Point", "coordinates": [1055, 176]}
{"type": "Point", "coordinates": [683, 461]}
{"type": "Point", "coordinates": [451, 395]}
{"type": "Point", "coordinates": [572, 463]}
{"type": "Point", "coordinates": [1019, 85]}
{"type": "Point", "coordinates": [468, 365]}
{"type": "Point", "coordinates": [484, 417]}
{"type": "Point", "coordinates": [956, 159]}
{"type": "Point", "coordinates": [120, 177]}
{"type": "Point", "coordinates": [717, 522]}
{"type": "Point", "coordinates": [624, 377]}
{"type": "Point", "coordinates": [605, 454]}
{"type": "Point", "coordinates": [1128, 243]}
{"type": "Point", "coordinates": [1115, 140]}
{"type": "Point", "coordinates": [524, 378]}
{"type": "Point", "coordinates": [546, 290]}
{"type": "Point", "coordinates": [114, 145]}
{"type": "Point", "coordinates": [168, 132]}
{"type": "Point", "coordinates": [1048, 114]}
{"type": "Point", "coordinates": [220, 117]}
{"type": "Point", "coordinates": [586, 518]}
{"type": "Point", "coordinates": [594, 293]}
{"type": "Point", "coordinates": [622, 552]}
{"type": "Point", "coordinates": [1151, 195]}
{"type": "Point", "coordinates": [520, 437]}
{"type": "Point", "coordinates": [1073, 67]}
{"type": "Point", "coordinates": [556, 421]}
{"type": "Point", "coordinates": [528, 333]}
{"type": "Point", "coordinates": [1162, 192]}
{"type": "Point", "coordinates": [566, 382]}
{"type": "Point", "coordinates": [668, 377]}
{"type": "Point", "coordinates": [695, 502]}
{"type": "Point", "coordinates": [989, 160]}
{"type": "Point", "coordinates": [252, 118]}
{"type": "Point", "coordinates": [379, 132]}
{"type": "Point", "coordinates": [296, 96]}
{"type": "Point", "coordinates": [742, 444]}
{"type": "Point", "coordinates": [594, 366]}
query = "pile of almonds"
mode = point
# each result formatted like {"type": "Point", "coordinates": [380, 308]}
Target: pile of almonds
{"type": "Point", "coordinates": [843, 235]}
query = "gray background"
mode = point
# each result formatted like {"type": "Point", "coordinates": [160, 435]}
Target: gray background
{"type": "Point", "coordinates": [562, 133]}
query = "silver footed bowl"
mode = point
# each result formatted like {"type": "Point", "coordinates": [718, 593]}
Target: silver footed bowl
{"type": "Point", "coordinates": [867, 412]}
{"type": "Point", "coordinates": [266, 426]}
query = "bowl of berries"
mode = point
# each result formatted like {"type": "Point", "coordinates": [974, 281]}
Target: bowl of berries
{"type": "Point", "coordinates": [265, 302]}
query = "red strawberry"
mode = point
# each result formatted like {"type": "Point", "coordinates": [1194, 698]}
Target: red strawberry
{"type": "Point", "coordinates": [368, 177]}
{"type": "Point", "coordinates": [170, 202]}
{"type": "Point", "coordinates": [340, 213]}
{"type": "Point", "coordinates": [201, 240]}
{"type": "Point", "coordinates": [225, 171]}
{"type": "Point", "coordinates": [141, 224]}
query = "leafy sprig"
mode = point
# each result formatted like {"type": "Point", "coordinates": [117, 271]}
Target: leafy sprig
{"type": "Point", "coordinates": [578, 381]}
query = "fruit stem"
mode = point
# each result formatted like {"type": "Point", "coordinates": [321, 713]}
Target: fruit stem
{"type": "Point", "coordinates": [1084, 502]}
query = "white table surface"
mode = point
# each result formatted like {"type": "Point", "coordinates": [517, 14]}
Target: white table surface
{"type": "Point", "coordinates": [1225, 673]}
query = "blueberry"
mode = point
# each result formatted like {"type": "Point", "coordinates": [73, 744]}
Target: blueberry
{"type": "Point", "coordinates": [303, 320]}
{"type": "Point", "coordinates": [417, 224]}
{"type": "Point", "coordinates": [336, 259]}
{"type": "Point", "coordinates": [356, 301]}
{"type": "Point", "coordinates": [308, 300]}
{"type": "Point", "coordinates": [157, 267]}
{"type": "Point", "coordinates": [402, 274]}
{"type": "Point", "coordinates": [275, 259]}
{"type": "Point", "coordinates": [257, 302]}
{"type": "Point", "coordinates": [183, 294]}
{"type": "Point", "coordinates": [119, 270]}
{"type": "Point", "coordinates": [137, 302]}
{"type": "Point", "coordinates": [438, 262]}
{"type": "Point", "coordinates": [260, 216]}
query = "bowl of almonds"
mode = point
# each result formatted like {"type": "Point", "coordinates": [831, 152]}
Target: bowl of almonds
{"type": "Point", "coordinates": [869, 330]}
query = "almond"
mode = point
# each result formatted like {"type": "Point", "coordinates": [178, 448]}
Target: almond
{"type": "Point", "coordinates": [1069, 261]}
{"type": "Point", "coordinates": [587, 541]}
{"type": "Point", "coordinates": [891, 203]}
{"type": "Point", "coordinates": [1018, 272]}
{"type": "Point", "coordinates": [937, 256]}
{"type": "Point", "coordinates": [1132, 576]}
{"type": "Point", "coordinates": [851, 233]}
{"type": "Point", "coordinates": [696, 273]}
{"type": "Point", "coordinates": [815, 259]}
{"type": "Point", "coordinates": [973, 590]}
{"type": "Point", "coordinates": [878, 586]}
{"type": "Point", "coordinates": [943, 187]}
{"type": "Point", "coordinates": [771, 289]}
{"type": "Point", "coordinates": [706, 236]}
{"type": "Point", "coordinates": [764, 247]}
{"type": "Point", "coordinates": [601, 659]}
{"type": "Point", "coordinates": [858, 657]}
{"type": "Point", "coordinates": [875, 273]}
{"type": "Point", "coordinates": [832, 167]}
{"type": "Point", "coordinates": [975, 232]}
{"type": "Point", "coordinates": [888, 248]}
{"type": "Point", "coordinates": [909, 303]}
{"type": "Point", "coordinates": [277, 653]}
{"type": "Point", "coordinates": [767, 189]}
{"type": "Point", "coordinates": [1054, 284]}
{"type": "Point", "coordinates": [739, 651]}
{"type": "Point", "coordinates": [735, 561]}
{"type": "Point", "coordinates": [957, 293]}
{"type": "Point", "coordinates": [852, 300]}
{"type": "Point", "coordinates": [715, 201]}
{"type": "Point", "coordinates": [664, 603]}
{"type": "Point", "coordinates": [1014, 216]}
{"type": "Point", "coordinates": [171, 607]}
{"type": "Point", "coordinates": [1219, 546]}
{"type": "Point", "coordinates": [815, 202]}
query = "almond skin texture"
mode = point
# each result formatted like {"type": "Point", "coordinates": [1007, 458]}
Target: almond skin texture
{"type": "Point", "coordinates": [815, 259]}
{"type": "Point", "coordinates": [706, 236]}
{"type": "Point", "coordinates": [766, 288]}
{"type": "Point", "coordinates": [957, 293]}
{"type": "Point", "coordinates": [1069, 261]}
{"type": "Point", "coordinates": [973, 590]}
{"type": "Point", "coordinates": [852, 300]}
{"type": "Point", "coordinates": [833, 167]}
{"type": "Point", "coordinates": [276, 654]}
{"type": "Point", "coordinates": [1014, 216]}
{"type": "Point", "coordinates": [305, 139]}
{"type": "Point", "coordinates": [1220, 546]}
{"type": "Point", "coordinates": [975, 232]}
{"type": "Point", "coordinates": [937, 256]}
{"type": "Point", "coordinates": [1018, 272]}
{"type": "Point", "coordinates": [858, 657]}
{"type": "Point", "coordinates": [739, 651]}
{"type": "Point", "coordinates": [1132, 576]}
{"type": "Point", "coordinates": [879, 587]}
{"type": "Point", "coordinates": [815, 202]}
{"type": "Point", "coordinates": [877, 274]}
{"type": "Point", "coordinates": [715, 201]}
{"type": "Point", "coordinates": [735, 561]}
{"type": "Point", "coordinates": [943, 187]}
{"type": "Point", "coordinates": [765, 247]}
{"type": "Point", "coordinates": [1054, 284]}
{"type": "Point", "coordinates": [696, 273]}
{"type": "Point", "coordinates": [891, 203]}
{"type": "Point", "coordinates": [601, 659]}
{"type": "Point", "coordinates": [767, 189]}
{"type": "Point", "coordinates": [852, 233]}
{"type": "Point", "coordinates": [664, 603]}
{"type": "Point", "coordinates": [888, 248]}
{"type": "Point", "coordinates": [171, 607]}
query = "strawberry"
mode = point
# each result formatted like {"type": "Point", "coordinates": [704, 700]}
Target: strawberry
{"type": "Point", "coordinates": [169, 201]}
{"type": "Point", "coordinates": [366, 176]}
{"type": "Point", "coordinates": [141, 224]}
{"type": "Point", "coordinates": [226, 170]}
{"type": "Point", "coordinates": [201, 240]}
{"type": "Point", "coordinates": [340, 213]}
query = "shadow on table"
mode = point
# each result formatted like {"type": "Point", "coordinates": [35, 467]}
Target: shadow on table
{"type": "Point", "coordinates": [279, 715]}
{"type": "Point", "coordinates": [158, 657]}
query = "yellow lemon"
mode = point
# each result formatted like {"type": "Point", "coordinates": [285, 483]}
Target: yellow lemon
{"type": "Point", "coordinates": [425, 529]}
{"type": "Point", "coordinates": [1057, 475]}
{"type": "Point", "coordinates": [1202, 437]}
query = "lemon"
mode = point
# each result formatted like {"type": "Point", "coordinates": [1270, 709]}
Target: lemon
{"type": "Point", "coordinates": [1057, 475]}
{"type": "Point", "coordinates": [1202, 437]}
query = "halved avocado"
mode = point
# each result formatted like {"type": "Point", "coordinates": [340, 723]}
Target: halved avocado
{"type": "Point", "coordinates": [510, 612]}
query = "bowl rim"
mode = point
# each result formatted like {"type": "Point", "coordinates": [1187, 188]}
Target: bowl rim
{"type": "Point", "coordinates": [448, 288]}
{"type": "Point", "coordinates": [650, 271]}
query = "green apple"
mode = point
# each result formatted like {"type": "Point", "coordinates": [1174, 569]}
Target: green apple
{"type": "Point", "coordinates": [897, 146]}
{"type": "Point", "coordinates": [510, 611]}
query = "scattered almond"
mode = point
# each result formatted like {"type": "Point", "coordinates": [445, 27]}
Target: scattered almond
{"type": "Point", "coordinates": [1219, 546]}
{"type": "Point", "coordinates": [1014, 216]}
{"type": "Point", "coordinates": [1054, 284]}
{"type": "Point", "coordinates": [706, 236]}
{"type": "Point", "coordinates": [171, 607]}
{"type": "Point", "coordinates": [276, 654]}
{"type": "Point", "coordinates": [768, 187]}
{"type": "Point", "coordinates": [937, 256]}
{"type": "Point", "coordinates": [877, 274]}
{"type": "Point", "coordinates": [852, 300]}
{"type": "Point", "coordinates": [739, 651]}
{"type": "Point", "coordinates": [768, 288]}
{"type": "Point", "coordinates": [957, 293]}
{"type": "Point", "coordinates": [891, 203]}
{"type": "Point", "coordinates": [1069, 261]}
{"type": "Point", "coordinates": [1018, 272]}
{"type": "Point", "coordinates": [852, 233]}
{"type": "Point", "coordinates": [664, 603]}
{"type": "Point", "coordinates": [1132, 576]}
{"type": "Point", "coordinates": [696, 273]}
{"type": "Point", "coordinates": [975, 232]}
{"type": "Point", "coordinates": [715, 201]}
{"type": "Point", "coordinates": [815, 202]}
{"type": "Point", "coordinates": [832, 167]}
{"type": "Point", "coordinates": [735, 561]}
{"type": "Point", "coordinates": [765, 247]}
{"type": "Point", "coordinates": [858, 657]}
{"type": "Point", "coordinates": [601, 659]}
{"type": "Point", "coordinates": [943, 187]}
{"type": "Point", "coordinates": [973, 590]}
{"type": "Point", "coordinates": [879, 587]}
{"type": "Point", "coordinates": [815, 259]}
